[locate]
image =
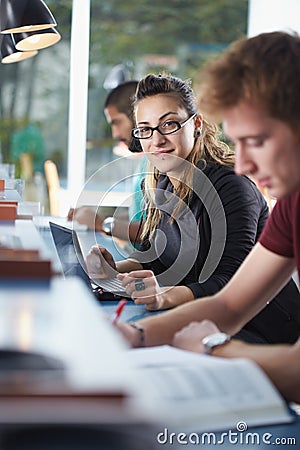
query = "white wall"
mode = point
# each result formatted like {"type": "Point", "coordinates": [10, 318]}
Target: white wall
{"type": "Point", "coordinates": [272, 15]}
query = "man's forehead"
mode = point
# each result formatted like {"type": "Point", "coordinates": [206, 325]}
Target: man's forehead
{"type": "Point", "coordinates": [112, 114]}
{"type": "Point", "coordinates": [244, 119]}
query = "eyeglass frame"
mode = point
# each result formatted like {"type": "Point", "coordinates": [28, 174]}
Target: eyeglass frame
{"type": "Point", "coordinates": [152, 129]}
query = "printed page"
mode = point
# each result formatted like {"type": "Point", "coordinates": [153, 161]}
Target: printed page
{"type": "Point", "coordinates": [207, 393]}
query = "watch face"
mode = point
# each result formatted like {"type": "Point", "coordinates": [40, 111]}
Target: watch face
{"type": "Point", "coordinates": [213, 340]}
{"type": "Point", "coordinates": [217, 338]}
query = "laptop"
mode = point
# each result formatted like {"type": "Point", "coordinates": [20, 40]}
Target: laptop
{"type": "Point", "coordinates": [72, 261]}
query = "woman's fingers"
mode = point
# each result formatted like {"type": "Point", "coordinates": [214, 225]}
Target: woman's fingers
{"type": "Point", "coordinates": [100, 262]}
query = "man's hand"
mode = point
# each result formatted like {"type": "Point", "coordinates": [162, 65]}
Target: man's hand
{"type": "Point", "coordinates": [86, 215]}
{"type": "Point", "coordinates": [190, 337]}
{"type": "Point", "coordinates": [130, 334]}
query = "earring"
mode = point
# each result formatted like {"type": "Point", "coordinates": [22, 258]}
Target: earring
{"type": "Point", "coordinates": [197, 133]}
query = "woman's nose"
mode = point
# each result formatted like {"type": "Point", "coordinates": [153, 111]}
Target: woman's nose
{"type": "Point", "coordinates": [158, 138]}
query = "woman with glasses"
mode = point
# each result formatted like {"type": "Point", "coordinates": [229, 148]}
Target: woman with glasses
{"type": "Point", "coordinates": [201, 219]}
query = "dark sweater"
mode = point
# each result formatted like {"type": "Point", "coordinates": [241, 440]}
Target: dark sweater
{"type": "Point", "coordinates": [233, 219]}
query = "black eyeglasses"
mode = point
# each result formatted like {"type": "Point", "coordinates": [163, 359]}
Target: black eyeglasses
{"type": "Point", "coordinates": [168, 127]}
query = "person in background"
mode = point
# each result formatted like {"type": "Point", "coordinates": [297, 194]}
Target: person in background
{"type": "Point", "coordinates": [254, 88]}
{"type": "Point", "coordinates": [201, 218]}
{"type": "Point", "coordinates": [118, 111]}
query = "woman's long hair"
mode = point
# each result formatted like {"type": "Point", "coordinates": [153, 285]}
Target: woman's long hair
{"type": "Point", "coordinates": [207, 147]}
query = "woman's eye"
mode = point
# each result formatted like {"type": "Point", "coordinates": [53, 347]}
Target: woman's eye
{"type": "Point", "coordinates": [169, 124]}
{"type": "Point", "coordinates": [144, 130]}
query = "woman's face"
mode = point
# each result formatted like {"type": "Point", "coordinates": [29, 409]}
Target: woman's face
{"type": "Point", "coordinates": [166, 151]}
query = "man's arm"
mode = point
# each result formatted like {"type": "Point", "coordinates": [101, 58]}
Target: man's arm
{"type": "Point", "coordinates": [259, 278]}
{"type": "Point", "coordinates": [122, 228]}
{"type": "Point", "coordinates": [128, 231]}
{"type": "Point", "coordinates": [280, 362]}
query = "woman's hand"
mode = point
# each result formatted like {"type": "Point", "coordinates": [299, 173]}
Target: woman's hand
{"type": "Point", "coordinates": [144, 289]}
{"type": "Point", "coordinates": [100, 263]}
{"type": "Point", "coordinates": [190, 337]}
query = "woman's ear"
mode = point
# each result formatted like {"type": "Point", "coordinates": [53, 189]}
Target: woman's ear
{"type": "Point", "coordinates": [198, 121]}
{"type": "Point", "coordinates": [198, 126]}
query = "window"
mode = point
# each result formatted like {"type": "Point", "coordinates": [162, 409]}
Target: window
{"type": "Point", "coordinates": [127, 40]}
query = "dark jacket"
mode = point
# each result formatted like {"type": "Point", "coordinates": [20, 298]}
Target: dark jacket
{"type": "Point", "coordinates": [225, 209]}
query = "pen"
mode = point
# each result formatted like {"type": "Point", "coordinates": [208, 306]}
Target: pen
{"type": "Point", "coordinates": [116, 314]}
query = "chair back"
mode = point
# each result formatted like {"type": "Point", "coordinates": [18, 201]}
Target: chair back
{"type": "Point", "coordinates": [54, 187]}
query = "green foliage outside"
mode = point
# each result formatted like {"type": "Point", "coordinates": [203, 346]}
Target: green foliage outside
{"type": "Point", "coordinates": [127, 32]}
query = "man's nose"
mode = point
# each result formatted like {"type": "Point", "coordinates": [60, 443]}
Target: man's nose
{"type": "Point", "coordinates": [115, 133]}
{"type": "Point", "coordinates": [243, 162]}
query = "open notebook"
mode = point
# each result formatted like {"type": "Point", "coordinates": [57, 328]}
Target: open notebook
{"type": "Point", "coordinates": [204, 393]}
{"type": "Point", "coordinates": [72, 261]}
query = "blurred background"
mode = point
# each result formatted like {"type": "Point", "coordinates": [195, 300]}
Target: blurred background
{"type": "Point", "coordinates": [126, 40]}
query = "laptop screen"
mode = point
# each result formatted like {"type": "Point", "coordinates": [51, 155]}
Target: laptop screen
{"type": "Point", "coordinates": [66, 242]}
{"type": "Point", "coordinates": [73, 264]}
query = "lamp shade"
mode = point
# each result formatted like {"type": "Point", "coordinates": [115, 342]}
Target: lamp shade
{"type": "Point", "coordinates": [9, 53]}
{"type": "Point", "coordinates": [36, 40]}
{"type": "Point", "coordinates": [17, 16]}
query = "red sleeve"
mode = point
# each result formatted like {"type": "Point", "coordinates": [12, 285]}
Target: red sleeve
{"type": "Point", "coordinates": [277, 235]}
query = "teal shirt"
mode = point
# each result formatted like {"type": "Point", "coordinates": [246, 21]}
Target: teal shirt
{"type": "Point", "coordinates": [137, 203]}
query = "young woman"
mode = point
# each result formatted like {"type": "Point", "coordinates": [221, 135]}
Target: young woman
{"type": "Point", "coordinates": [202, 219]}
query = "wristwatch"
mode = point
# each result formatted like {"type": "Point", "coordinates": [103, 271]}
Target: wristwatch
{"type": "Point", "coordinates": [108, 225]}
{"type": "Point", "coordinates": [214, 340]}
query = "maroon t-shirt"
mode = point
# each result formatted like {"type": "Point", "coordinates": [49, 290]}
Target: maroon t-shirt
{"type": "Point", "coordinates": [281, 233]}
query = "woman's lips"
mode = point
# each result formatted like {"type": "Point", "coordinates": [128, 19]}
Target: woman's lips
{"type": "Point", "coordinates": [162, 152]}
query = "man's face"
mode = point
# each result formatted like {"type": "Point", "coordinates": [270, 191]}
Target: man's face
{"type": "Point", "coordinates": [266, 148]}
{"type": "Point", "coordinates": [120, 123]}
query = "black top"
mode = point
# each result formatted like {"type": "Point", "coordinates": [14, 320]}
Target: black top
{"type": "Point", "coordinates": [210, 237]}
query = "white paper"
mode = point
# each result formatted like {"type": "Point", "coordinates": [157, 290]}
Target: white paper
{"type": "Point", "coordinates": [205, 392]}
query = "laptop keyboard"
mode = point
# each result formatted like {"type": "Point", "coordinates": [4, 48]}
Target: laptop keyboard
{"type": "Point", "coordinates": [110, 284]}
